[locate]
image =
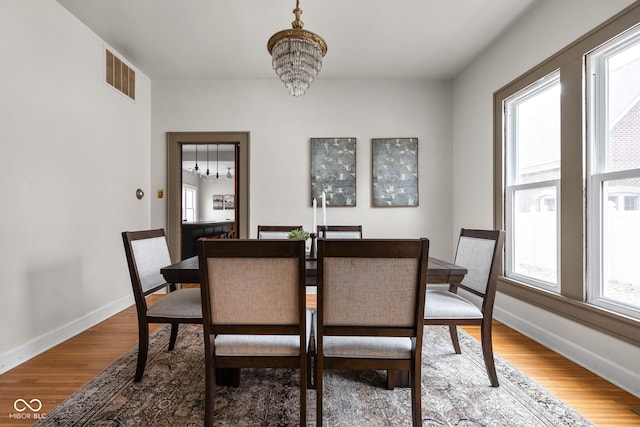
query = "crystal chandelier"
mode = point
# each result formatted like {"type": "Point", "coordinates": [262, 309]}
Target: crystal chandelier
{"type": "Point", "coordinates": [296, 55]}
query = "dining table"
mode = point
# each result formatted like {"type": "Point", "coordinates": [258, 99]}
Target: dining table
{"type": "Point", "coordinates": [188, 271]}
{"type": "Point", "coordinates": [438, 271]}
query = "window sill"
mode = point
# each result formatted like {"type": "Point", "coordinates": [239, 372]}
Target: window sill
{"type": "Point", "coordinates": [608, 322]}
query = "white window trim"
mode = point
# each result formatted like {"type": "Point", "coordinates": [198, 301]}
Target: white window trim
{"type": "Point", "coordinates": [510, 124]}
{"type": "Point", "coordinates": [594, 242]}
{"type": "Point", "coordinates": [195, 199]}
{"type": "Point", "coordinates": [510, 242]}
{"type": "Point", "coordinates": [596, 95]}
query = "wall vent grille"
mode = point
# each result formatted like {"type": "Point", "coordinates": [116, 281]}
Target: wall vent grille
{"type": "Point", "coordinates": [120, 76]}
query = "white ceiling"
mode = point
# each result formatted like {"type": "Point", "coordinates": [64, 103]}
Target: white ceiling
{"type": "Point", "coordinates": [367, 39]}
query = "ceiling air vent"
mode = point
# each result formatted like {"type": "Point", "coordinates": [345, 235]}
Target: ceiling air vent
{"type": "Point", "coordinates": [120, 76]}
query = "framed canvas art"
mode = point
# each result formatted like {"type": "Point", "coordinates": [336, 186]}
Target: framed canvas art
{"type": "Point", "coordinates": [218, 202]}
{"type": "Point", "coordinates": [229, 201]}
{"type": "Point", "coordinates": [394, 172]}
{"type": "Point", "coordinates": [223, 202]}
{"type": "Point", "coordinates": [333, 170]}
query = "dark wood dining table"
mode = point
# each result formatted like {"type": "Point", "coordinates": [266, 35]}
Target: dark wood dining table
{"type": "Point", "coordinates": [438, 271]}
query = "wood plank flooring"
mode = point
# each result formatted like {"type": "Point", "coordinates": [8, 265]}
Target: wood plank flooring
{"type": "Point", "coordinates": [59, 372]}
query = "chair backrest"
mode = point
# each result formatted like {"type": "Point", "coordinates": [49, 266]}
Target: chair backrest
{"type": "Point", "coordinates": [480, 252]}
{"type": "Point", "coordinates": [372, 287]}
{"type": "Point", "coordinates": [339, 231]}
{"type": "Point", "coordinates": [253, 286]}
{"type": "Point", "coordinates": [276, 231]}
{"type": "Point", "coordinates": [147, 252]}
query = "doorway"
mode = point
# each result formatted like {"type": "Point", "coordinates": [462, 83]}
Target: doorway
{"type": "Point", "coordinates": [175, 143]}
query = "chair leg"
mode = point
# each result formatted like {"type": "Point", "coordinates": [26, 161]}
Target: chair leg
{"type": "Point", "coordinates": [210, 384]}
{"type": "Point", "coordinates": [416, 393]}
{"type": "Point", "coordinates": [319, 386]}
{"type": "Point", "coordinates": [173, 336]}
{"type": "Point", "coordinates": [311, 367]}
{"type": "Point", "coordinates": [487, 352]}
{"type": "Point", "coordinates": [453, 331]}
{"type": "Point", "coordinates": [303, 395]}
{"type": "Point", "coordinates": [391, 379]}
{"type": "Point", "coordinates": [143, 350]}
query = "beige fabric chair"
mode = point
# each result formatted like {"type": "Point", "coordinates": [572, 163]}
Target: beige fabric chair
{"type": "Point", "coordinates": [147, 252]}
{"type": "Point", "coordinates": [276, 231]}
{"type": "Point", "coordinates": [480, 252]}
{"type": "Point", "coordinates": [370, 309]}
{"type": "Point", "coordinates": [339, 231]}
{"type": "Point", "coordinates": [254, 306]}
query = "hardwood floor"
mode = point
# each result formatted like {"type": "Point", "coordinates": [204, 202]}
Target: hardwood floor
{"type": "Point", "coordinates": [59, 372]}
{"type": "Point", "coordinates": [595, 398]}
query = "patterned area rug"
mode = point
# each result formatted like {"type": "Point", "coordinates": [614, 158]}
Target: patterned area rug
{"type": "Point", "coordinates": [455, 392]}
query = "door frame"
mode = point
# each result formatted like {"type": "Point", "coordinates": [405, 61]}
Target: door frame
{"type": "Point", "coordinates": [175, 141]}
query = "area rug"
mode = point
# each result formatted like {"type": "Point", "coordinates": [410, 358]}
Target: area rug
{"type": "Point", "coordinates": [455, 392]}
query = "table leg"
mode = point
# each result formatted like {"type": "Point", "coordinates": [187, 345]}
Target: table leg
{"type": "Point", "coordinates": [228, 377]}
{"type": "Point", "coordinates": [398, 379]}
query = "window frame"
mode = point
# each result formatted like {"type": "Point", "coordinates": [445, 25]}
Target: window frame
{"type": "Point", "coordinates": [512, 186]}
{"type": "Point", "coordinates": [571, 302]}
{"type": "Point", "coordinates": [186, 188]}
{"type": "Point", "coordinates": [598, 173]}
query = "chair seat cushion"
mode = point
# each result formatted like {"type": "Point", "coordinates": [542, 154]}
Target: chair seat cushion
{"type": "Point", "coordinates": [260, 345]}
{"type": "Point", "coordinates": [447, 305]}
{"type": "Point", "coordinates": [363, 347]}
{"type": "Point", "coordinates": [367, 347]}
{"type": "Point", "coordinates": [182, 303]}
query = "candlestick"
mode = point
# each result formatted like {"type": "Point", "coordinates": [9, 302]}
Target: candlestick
{"type": "Point", "coordinates": [315, 206]}
{"type": "Point", "coordinates": [324, 208]}
{"type": "Point", "coordinates": [313, 253]}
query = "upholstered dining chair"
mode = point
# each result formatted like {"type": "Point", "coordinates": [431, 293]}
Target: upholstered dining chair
{"type": "Point", "coordinates": [147, 252]}
{"type": "Point", "coordinates": [254, 306]}
{"type": "Point", "coordinates": [480, 252]}
{"type": "Point", "coordinates": [370, 306]}
{"type": "Point", "coordinates": [339, 231]}
{"type": "Point", "coordinates": [276, 231]}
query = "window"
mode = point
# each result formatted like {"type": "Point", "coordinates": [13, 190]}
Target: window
{"type": "Point", "coordinates": [532, 145]}
{"type": "Point", "coordinates": [613, 100]}
{"type": "Point", "coordinates": [189, 193]}
{"type": "Point", "coordinates": [567, 180]}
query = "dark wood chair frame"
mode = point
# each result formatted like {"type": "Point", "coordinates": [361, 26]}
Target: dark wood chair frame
{"type": "Point", "coordinates": [277, 228]}
{"type": "Point", "coordinates": [342, 228]}
{"type": "Point", "coordinates": [141, 303]}
{"type": "Point", "coordinates": [252, 248]}
{"type": "Point", "coordinates": [370, 248]}
{"type": "Point", "coordinates": [488, 299]}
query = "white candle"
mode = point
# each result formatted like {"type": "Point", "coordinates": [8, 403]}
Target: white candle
{"type": "Point", "coordinates": [324, 208]}
{"type": "Point", "coordinates": [315, 206]}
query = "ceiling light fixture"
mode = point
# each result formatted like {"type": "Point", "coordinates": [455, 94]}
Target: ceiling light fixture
{"type": "Point", "coordinates": [196, 169]}
{"type": "Point", "coordinates": [229, 174]}
{"type": "Point", "coordinates": [217, 174]}
{"type": "Point", "coordinates": [207, 160]}
{"type": "Point", "coordinates": [296, 55]}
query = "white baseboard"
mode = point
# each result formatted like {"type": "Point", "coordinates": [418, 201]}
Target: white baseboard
{"type": "Point", "coordinates": [621, 376]}
{"type": "Point", "coordinates": [19, 355]}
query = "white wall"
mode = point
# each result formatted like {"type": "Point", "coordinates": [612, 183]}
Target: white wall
{"type": "Point", "coordinates": [74, 151]}
{"type": "Point", "coordinates": [280, 127]}
{"type": "Point", "coordinates": [206, 191]}
{"type": "Point", "coordinates": [545, 29]}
